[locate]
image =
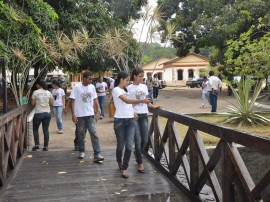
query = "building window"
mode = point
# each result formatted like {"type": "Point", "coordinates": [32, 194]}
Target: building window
{"type": "Point", "coordinates": [180, 75]}
{"type": "Point", "coordinates": [190, 74]}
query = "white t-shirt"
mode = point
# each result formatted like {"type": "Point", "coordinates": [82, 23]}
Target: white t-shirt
{"type": "Point", "coordinates": [57, 96]}
{"type": "Point", "coordinates": [215, 83]}
{"type": "Point", "coordinates": [112, 85]}
{"type": "Point", "coordinates": [123, 110]}
{"type": "Point", "coordinates": [156, 82]}
{"type": "Point", "coordinates": [138, 92]}
{"type": "Point", "coordinates": [84, 99]}
{"type": "Point", "coordinates": [206, 87]}
{"type": "Point", "coordinates": [101, 87]}
{"type": "Point", "coordinates": [42, 98]}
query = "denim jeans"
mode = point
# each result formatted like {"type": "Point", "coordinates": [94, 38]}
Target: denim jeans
{"type": "Point", "coordinates": [125, 131]}
{"type": "Point", "coordinates": [76, 140]}
{"type": "Point", "coordinates": [155, 92]}
{"type": "Point", "coordinates": [58, 111]}
{"type": "Point", "coordinates": [45, 119]}
{"type": "Point", "coordinates": [150, 94]}
{"type": "Point", "coordinates": [87, 123]}
{"type": "Point", "coordinates": [213, 100]}
{"type": "Point", "coordinates": [141, 136]}
{"type": "Point", "coordinates": [101, 101]}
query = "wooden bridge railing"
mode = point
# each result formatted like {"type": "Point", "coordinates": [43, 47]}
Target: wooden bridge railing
{"type": "Point", "coordinates": [169, 153]}
{"type": "Point", "coordinates": [13, 130]}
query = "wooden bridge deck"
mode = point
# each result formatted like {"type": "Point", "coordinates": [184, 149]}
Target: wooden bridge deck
{"type": "Point", "coordinates": [60, 176]}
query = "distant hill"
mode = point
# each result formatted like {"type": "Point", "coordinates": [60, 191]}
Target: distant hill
{"type": "Point", "coordinates": [153, 51]}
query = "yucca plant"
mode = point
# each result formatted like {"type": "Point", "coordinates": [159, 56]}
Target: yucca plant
{"type": "Point", "coordinates": [245, 112]}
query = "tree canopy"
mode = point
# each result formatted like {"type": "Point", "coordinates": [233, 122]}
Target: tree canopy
{"type": "Point", "coordinates": [211, 23]}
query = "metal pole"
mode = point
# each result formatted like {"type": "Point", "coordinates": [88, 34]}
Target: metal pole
{"type": "Point", "coordinates": [4, 86]}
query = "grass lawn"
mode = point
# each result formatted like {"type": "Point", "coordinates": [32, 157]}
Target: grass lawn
{"type": "Point", "coordinates": [263, 131]}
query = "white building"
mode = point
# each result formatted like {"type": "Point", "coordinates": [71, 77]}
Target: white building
{"type": "Point", "coordinates": [178, 70]}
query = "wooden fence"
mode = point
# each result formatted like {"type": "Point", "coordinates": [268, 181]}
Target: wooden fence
{"type": "Point", "coordinates": [13, 129]}
{"type": "Point", "coordinates": [179, 159]}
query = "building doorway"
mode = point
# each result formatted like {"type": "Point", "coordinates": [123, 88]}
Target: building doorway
{"type": "Point", "coordinates": [179, 74]}
{"type": "Point", "coordinates": [190, 74]}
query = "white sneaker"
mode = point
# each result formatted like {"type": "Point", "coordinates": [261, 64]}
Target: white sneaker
{"type": "Point", "coordinates": [60, 131]}
{"type": "Point", "coordinates": [81, 155]}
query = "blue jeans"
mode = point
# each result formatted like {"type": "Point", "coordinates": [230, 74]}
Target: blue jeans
{"type": "Point", "coordinates": [125, 131]}
{"type": "Point", "coordinates": [83, 124]}
{"type": "Point", "coordinates": [101, 101]}
{"type": "Point", "coordinates": [213, 100]}
{"type": "Point", "coordinates": [58, 111]}
{"type": "Point", "coordinates": [150, 94]}
{"type": "Point", "coordinates": [141, 136]}
{"type": "Point", "coordinates": [45, 119]}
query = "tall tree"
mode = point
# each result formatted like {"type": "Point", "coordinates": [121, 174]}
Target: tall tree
{"type": "Point", "coordinates": [212, 22]}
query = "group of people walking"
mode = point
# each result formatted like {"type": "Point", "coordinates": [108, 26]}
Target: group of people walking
{"type": "Point", "coordinates": [130, 120]}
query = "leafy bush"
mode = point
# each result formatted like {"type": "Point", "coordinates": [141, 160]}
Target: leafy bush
{"type": "Point", "coordinates": [246, 111]}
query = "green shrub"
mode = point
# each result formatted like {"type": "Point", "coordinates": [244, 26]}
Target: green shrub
{"type": "Point", "coordinates": [245, 112]}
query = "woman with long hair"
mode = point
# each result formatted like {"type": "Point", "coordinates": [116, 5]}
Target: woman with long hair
{"type": "Point", "coordinates": [124, 123]}
{"type": "Point", "coordinates": [42, 100]}
{"type": "Point", "coordinates": [138, 90]}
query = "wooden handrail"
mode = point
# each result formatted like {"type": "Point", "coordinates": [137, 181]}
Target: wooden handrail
{"type": "Point", "coordinates": [13, 129]}
{"type": "Point", "coordinates": [169, 153]}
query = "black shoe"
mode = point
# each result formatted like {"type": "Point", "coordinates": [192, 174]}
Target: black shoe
{"type": "Point", "coordinates": [35, 148]}
{"type": "Point", "coordinates": [45, 149]}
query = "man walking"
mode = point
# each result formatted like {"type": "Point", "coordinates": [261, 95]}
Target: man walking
{"type": "Point", "coordinates": [215, 85]}
{"type": "Point", "coordinates": [83, 100]}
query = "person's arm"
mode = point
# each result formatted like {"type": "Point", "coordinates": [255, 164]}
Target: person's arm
{"type": "Point", "coordinates": [64, 101]}
{"type": "Point", "coordinates": [51, 101]}
{"type": "Point", "coordinates": [133, 101]}
{"type": "Point", "coordinates": [96, 106]}
{"type": "Point", "coordinates": [74, 118]}
{"type": "Point", "coordinates": [33, 102]}
{"type": "Point", "coordinates": [220, 85]}
{"type": "Point", "coordinates": [67, 105]}
{"type": "Point", "coordinates": [150, 105]}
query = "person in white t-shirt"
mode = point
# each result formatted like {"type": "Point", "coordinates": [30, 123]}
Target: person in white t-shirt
{"type": "Point", "coordinates": [215, 85]}
{"type": "Point", "coordinates": [124, 122]}
{"type": "Point", "coordinates": [42, 100]}
{"type": "Point", "coordinates": [58, 104]}
{"type": "Point", "coordinates": [101, 88]}
{"type": "Point", "coordinates": [205, 92]}
{"type": "Point", "coordinates": [84, 100]}
{"type": "Point", "coordinates": [139, 91]}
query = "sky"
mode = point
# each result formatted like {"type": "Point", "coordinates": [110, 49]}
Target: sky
{"type": "Point", "coordinates": [138, 26]}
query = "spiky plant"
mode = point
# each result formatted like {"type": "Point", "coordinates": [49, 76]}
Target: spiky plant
{"type": "Point", "coordinates": [245, 112]}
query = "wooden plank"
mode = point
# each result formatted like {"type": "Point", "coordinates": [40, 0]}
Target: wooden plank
{"type": "Point", "coordinates": [86, 181]}
{"type": "Point", "coordinates": [194, 162]}
{"type": "Point", "coordinates": [246, 183]}
{"type": "Point", "coordinates": [208, 172]}
{"type": "Point", "coordinates": [227, 173]}
{"type": "Point", "coordinates": [172, 147]}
